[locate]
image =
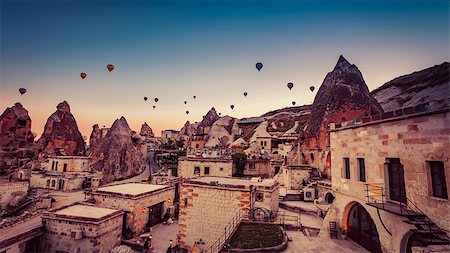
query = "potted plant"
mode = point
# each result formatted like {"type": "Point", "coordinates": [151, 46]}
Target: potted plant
{"type": "Point", "coordinates": [344, 233]}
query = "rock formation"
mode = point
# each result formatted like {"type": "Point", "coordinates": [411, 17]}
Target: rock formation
{"type": "Point", "coordinates": [97, 135]}
{"type": "Point", "coordinates": [415, 88]}
{"type": "Point", "coordinates": [15, 127]}
{"type": "Point", "coordinates": [146, 131]}
{"type": "Point", "coordinates": [61, 135]}
{"type": "Point", "coordinates": [207, 121]}
{"type": "Point", "coordinates": [222, 132]}
{"type": "Point", "coordinates": [117, 155]}
{"type": "Point", "coordinates": [343, 96]}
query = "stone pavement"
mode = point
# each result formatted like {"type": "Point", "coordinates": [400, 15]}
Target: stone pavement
{"type": "Point", "coordinates": [161, 235]}
{"type": "Point", "coordinates": [306, 244]}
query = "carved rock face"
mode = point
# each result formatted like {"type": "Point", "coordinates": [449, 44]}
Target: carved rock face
{"type": "Point", "coordinates": [61, 135]}
{"type": "Point", "coordinates": [15, 127]}
{"type": "Point", "coordinates": [116, 155]}
{"type": "Point", "coordinates": [343, 96]}
{"type": "Point", "coordinates": [146, 130]}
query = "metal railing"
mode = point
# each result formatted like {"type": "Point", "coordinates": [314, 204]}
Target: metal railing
{"type": "Point", "coordinates": [229, 230]}
{"type": "Point", "coordinates": [376, 194]}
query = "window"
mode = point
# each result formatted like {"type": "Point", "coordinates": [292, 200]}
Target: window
{"type": "Point", "coordinates": [56, 165]}
{"type": "Point", "coordinates": [251, 166]}
{"type": "Point", "coordinates": [346, 168]}
{"type": "Point", "coordinates": [259, 196]}
{"type": "Point", "coordinates": [206, 170]}
{"type": "Point", "coordinates": [362, 170]}
{"type": "Point", "coordinates": [312, 157]}
{"type": "Point", "coordinates": [65, 167]}
{"type": "Point", "coordinates": [221, 169]}
{"type": "Point", "coordinates": [48, 182]}
{"type": "Point", "coordinates": [53, 165]}
{"type": "Point", "coordinates": [72, 234]}
{"type": "Point", "coordinates": [196, 170]}
{"type": "Point", "coordinates": [438, 181]}
{"type": "Point", "coordinates": [53, 183]}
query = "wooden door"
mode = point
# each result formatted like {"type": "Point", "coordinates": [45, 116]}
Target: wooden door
{"type": "Point", "coordinates": [362, 229]}
{"type": "Point", "coordinates": [397, 191]}
{"type": "Point", "coordinates": [155, 214]}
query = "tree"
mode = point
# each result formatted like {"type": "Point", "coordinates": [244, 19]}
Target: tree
{"type": "Point", "coordinates": [239, 160]}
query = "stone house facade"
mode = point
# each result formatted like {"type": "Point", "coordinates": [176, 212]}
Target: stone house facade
{"type": "Point", "coordinates": [12, 193]}
{"type": "Point", "coordinates": [215, 201]}
{"type": "Point", "coordinates": [144, 205]}
{"type": "Point", "coordinates": [189, 167]}
{"type": "Point", "coordinates": [389, 170]}
{"type": "Point", "coordinates": [82, 228]}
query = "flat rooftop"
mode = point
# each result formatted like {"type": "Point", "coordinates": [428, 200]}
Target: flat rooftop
{"type": "Point", "coordinates": [85, 211]}
{"type": "Point", "coordinates": [131, 188]}
{"type": "Point", "coordinates": [234, 181]}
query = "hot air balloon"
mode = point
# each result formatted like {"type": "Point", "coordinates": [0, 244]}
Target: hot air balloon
{"type": "Point", "coordinates": [154, 106]}
{"type": "Point", "coordinates": [145, 98]}
{"type": "Point", "coordinates": [311, 88]}
{"type": "Point", "coordinates": [185, 102]}
{"type": "Point", "coordinates": [110, 67]}
{"type": "Point", "coordinates": [293, 102]}
{"type": "Point", "coordinates": [187, 112]}
{"type": "Point", "coordinates": [259, 66]}
{"type": "Point", "coordinates": [245, 94]}
{"type": "Point", "coordinates": [220, 113]}
{"type": "Point", "coordinates": [290, 86]}
{"type": "Point", "coordinates": [232, 107]}
{"type": "Point", "coordinates": [156, 100]}
{"type": "Point", "coordinates": [22, 91]}
{"type": "Point", "coordinates": [194, 97]}
{"type": "Point", "coordinates": [83, 75]}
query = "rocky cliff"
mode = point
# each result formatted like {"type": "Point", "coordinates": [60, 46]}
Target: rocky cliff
{"type": "Point", "coordinates": [343, 96]}
{"type": "Point", "coordinates": [118, 155]}
{"type": "Point", "coordinates": [61, 135]}
{"type": "Point", "coordinates": [415, 88]}
{"type": "Point", "coordinates": [146, 131]}
{"type": "Point", "coordinates": [15, 127]}
{"type": "Point", "coordinates": [207, 121]}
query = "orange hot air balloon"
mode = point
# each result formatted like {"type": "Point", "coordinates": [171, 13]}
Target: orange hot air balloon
{"type": "Point", "coordinates": [83, 75]}
{"type": "Point", "coordinates": [110, 67]}
{"type": "Point", "coordinates": [22, 91]}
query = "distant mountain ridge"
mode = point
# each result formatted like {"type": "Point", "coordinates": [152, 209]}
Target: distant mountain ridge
{"type": "Point", "coordinates": [415, 88]}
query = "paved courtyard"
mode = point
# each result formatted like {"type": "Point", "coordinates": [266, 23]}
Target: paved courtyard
{"type": "Point", "coordinates": [161, 236]}
{"type": "Point", "coordinates": [307, 244]}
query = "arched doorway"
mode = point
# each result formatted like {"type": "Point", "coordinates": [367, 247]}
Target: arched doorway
{"type": "Point", "coordinates": [362, 229]}
{"type": "Point", "coordinates": [61, 185]}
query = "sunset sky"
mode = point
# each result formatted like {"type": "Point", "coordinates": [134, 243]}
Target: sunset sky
{"type": "Point", "coordinates": [176, 49]}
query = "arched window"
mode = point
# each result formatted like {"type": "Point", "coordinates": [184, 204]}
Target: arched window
{"type": "Point", "coordinates": [53, 183]}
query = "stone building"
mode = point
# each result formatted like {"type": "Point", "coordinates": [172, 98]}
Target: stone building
{"type": "Point", "coordinates": [291, 178]}
{"type": "Point", "coordinates": [169, 134]}
{"type": "Point", "coordinates": [144, 205]}
{"type": "Point", "coordinates": [391, 178]}
{"type": "Point", "coordinates": [198, 166]}
{"type": "Point", "coordinates": [67, 164]}
{"type": "Point", "coordinates": [64, 173]}
{"type": "Point", "coordinates": [215, 201]}
{"type": "Point", "coordinates": [82, 228]}
{"type": "Point", "coordinates": [259, 167]}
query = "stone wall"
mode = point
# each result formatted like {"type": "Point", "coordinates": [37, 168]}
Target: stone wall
{"type": "Point", "coordinates": [12, 193]}
{"type": "Point", "coordinates": [260, 168]}
{"type": "Point", "coordinates": [136, 206]}
{"type": "Point", "coordinates": [72, 163]}
{"type": "Point", "coordinates": [217, 167]}
{"type": "Point", "coordinates": [68, 182]}
{"type": "Point", "coordinates": [97, 236]}
{"type": "Point", "coordinates": [414, 140]}
{"type": "Point", "coordinates": [206, 210]}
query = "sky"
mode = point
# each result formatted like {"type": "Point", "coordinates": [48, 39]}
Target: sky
{"type": "Point", "coordinates": [174, 50]}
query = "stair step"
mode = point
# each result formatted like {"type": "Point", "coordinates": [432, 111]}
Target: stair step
{"type": "Point", "coordinates": [434, 241]}
{"type": "Point", "coordinates": [419, 222]}
{"type": "Point", "coordinates": [428, 231]}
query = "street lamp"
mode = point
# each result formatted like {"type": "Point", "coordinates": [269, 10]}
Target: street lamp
{"type": "Point", "coordinates": [150, 240]}
{"type": "Point", "coordinates": [171, 241]}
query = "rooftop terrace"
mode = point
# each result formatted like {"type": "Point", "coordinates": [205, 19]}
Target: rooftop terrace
{"type": "Point", "coordinates": [133, 189]}
{"type": "Point", "coordinates": [232, 182]}
{"type": "Point", "coordinates": [85, 211]}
